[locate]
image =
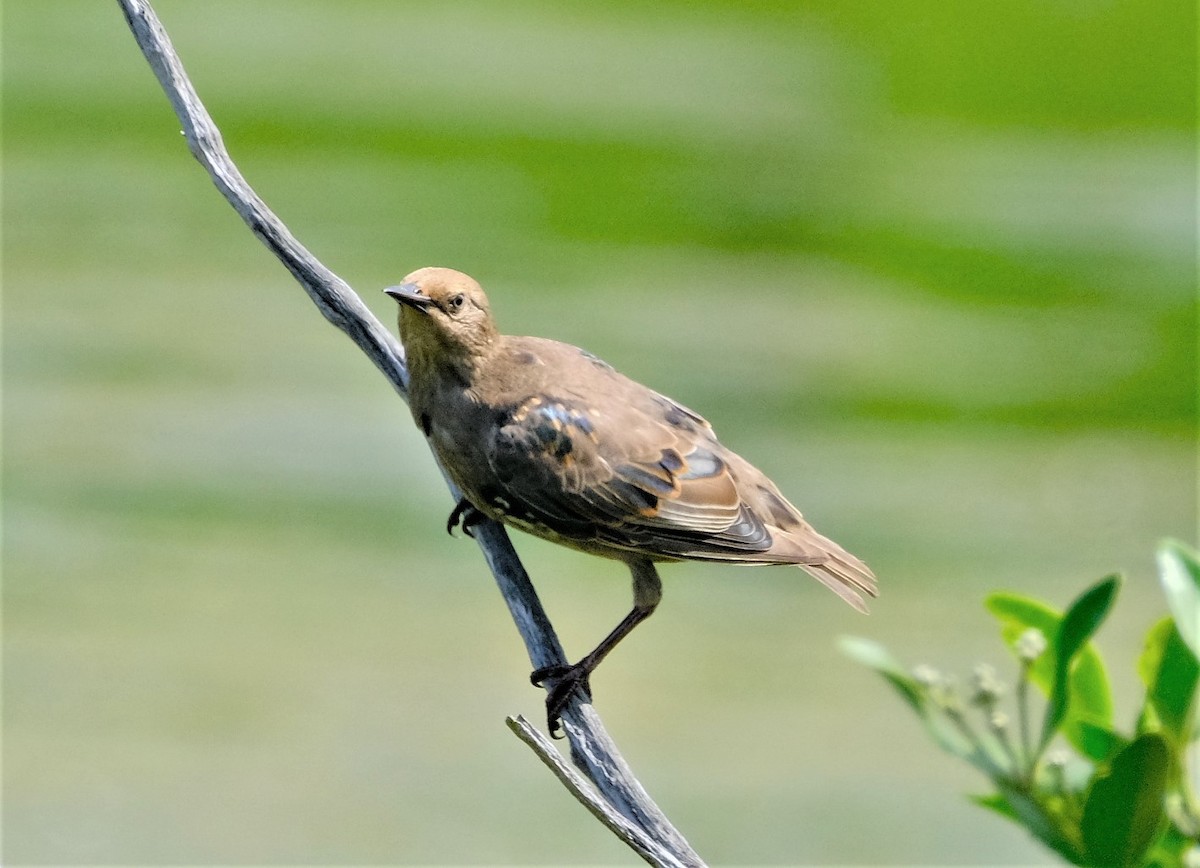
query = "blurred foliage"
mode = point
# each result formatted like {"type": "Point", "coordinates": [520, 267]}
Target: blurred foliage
{"type": "Point", "coordinates": [930, 265]}
{"type": "Point", "coordinates": [1125, 799]}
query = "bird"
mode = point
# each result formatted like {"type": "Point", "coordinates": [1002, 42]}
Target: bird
{"type": "Point", "coordinates": [548, 438]}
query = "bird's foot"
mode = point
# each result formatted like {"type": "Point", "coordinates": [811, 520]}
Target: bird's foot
{"type": "Point", "coordinates": [463, 515]}
{"type": "Point", "coordinates": [564, 681]}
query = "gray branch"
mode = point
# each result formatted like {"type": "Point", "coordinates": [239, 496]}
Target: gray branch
{"type": "Point", "coordinates": [633, 835]}
{"type": "Point", "coordinates": [617, 798]}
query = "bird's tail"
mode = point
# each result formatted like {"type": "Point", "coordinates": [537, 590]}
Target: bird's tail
{"type": "Point", "coordinates": [794, 541]}
{"type": "Point", "coordinates": [829, 564]}
{"type": "Point", "coordinates": [846, 576]}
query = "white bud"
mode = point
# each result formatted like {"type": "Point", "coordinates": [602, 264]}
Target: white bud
{"type": "Point", "coordinates": [927, 676]}
{"type": "Point", "coordinates": [1057, 759]}
{"type": "Point", "coordinates": [986, 687]}
{"type": "Point", "coordinates": [1031, 644]}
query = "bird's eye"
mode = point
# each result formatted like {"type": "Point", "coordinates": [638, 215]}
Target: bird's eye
{"type": "Point", "coordinates": [455, 303]}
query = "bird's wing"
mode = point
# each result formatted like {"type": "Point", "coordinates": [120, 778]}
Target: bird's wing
{"type": "Point", "coordinates": [605, 462]}
{"type": "Point", "coordinates": [642, 473]}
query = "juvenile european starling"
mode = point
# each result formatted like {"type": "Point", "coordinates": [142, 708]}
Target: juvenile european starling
{"type": "Point", "coordinates": [548, 438]}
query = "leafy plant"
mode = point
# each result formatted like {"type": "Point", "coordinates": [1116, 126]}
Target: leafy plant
{"type": "Point", "coordinates": [1091, 792]}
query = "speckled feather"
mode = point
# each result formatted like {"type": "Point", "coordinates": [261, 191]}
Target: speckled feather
{"type": "Point", "coordinates": [548, 438]}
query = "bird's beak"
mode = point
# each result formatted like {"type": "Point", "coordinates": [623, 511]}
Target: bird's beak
{"type": "Point", "coordinates": [408, 294]}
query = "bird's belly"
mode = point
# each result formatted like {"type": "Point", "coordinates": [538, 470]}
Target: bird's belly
{"type": "Point", "coordinates": [590, 545]}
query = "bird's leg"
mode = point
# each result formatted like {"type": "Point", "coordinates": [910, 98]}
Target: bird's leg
{"type": "Point", "coordinates": [464, 515]}
{"type": "Point", "coordinates": [565, 680]}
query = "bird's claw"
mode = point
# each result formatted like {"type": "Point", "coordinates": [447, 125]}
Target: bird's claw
{"type": "Point", "coordinates": [564, 681]}
{"type": "Point", "coordinates": [463, 515]}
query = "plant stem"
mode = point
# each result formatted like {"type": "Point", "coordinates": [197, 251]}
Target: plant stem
{"type": "Point", "coordinates": [1025, 769]}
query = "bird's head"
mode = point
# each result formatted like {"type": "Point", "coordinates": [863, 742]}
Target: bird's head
{"type": "Point", "coordinates": [444, 315]}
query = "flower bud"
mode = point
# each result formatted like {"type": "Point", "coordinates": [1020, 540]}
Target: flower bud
{"type": "Point", "coordinates": [1031, 644]}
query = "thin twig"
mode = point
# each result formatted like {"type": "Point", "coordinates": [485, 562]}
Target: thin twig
{"type": "Point", "coordinates": [591, 748]}
{"type": "Point", "coordinates": [634, 836]}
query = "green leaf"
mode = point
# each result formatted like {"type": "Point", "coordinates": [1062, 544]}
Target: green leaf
{"type": "Point", "coordinates": [1076, 628]}
{"type": "Point", "coordinates": [1100, 743]}
{"type": "Point", "coordinates": [1169, 849]}
{"type": "Point", "coordinates": [1124, 809]}
{"type": "Point", "coordinates": [1023, 808]}
{"type": "Point", "coordinates": [1170, 673]}
{"type": "Point", "coordinates": [1179, 572]}
{"type": "Point", "coordinates": [1090, 697]}
{"type": "Point", "coordinates": [1018, 613]}
{"type": "Point", "coordinates": [877, 657]}
{"type": "Point", "coordinates": [999, 804]}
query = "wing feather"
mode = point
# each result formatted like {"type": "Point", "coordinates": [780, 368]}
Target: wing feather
{"type": "Point", "coordinates": [656, 486]}
{"type": "Point", "coordinates": [648, 475]}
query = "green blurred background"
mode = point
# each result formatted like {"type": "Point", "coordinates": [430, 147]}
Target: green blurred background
{"type": "Point", "coordinates": [930, 264]}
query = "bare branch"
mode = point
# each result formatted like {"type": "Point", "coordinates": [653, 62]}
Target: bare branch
{"type": "Point", "coordinates": [332, 295]}
{"type": "Point", "coordinates": [634, 836]}
{"type": "Point", "coordinates": [619, 797]}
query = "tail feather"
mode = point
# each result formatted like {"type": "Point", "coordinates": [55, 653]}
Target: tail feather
{"type": "Point", "coordinates": [833, 566]}
{"type": "Point", "coordinates": [849, 583]}
{"type": "Point", "coordinates": [794, 541]}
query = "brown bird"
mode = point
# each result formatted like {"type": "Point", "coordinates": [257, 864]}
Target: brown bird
{"type": "Point", "coordinates": [548, 438]}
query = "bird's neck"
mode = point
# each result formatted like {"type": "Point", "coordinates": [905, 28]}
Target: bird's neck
{"type": "Point", "coordinates": [434, 370]}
